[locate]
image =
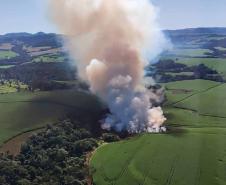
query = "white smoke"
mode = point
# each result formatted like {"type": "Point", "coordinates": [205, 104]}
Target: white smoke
{"type": "Point", "coordinates": [112, 40]}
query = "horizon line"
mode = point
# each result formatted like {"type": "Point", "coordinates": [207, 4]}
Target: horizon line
{"type": "Point", "coordinates": [175, 29]}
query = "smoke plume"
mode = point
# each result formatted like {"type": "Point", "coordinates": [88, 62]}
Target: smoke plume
{"type": "Point", "coordinates": [112, 41]}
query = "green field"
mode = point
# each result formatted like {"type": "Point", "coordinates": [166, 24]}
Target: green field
{"type": "Point", "coordinates": [192, 153]}
{"type": "Point", "coordinates": [192, 85]}
{"type": "Point", "coordinates": [220, 48]}
{"type": "Point", "coordinates": [218, 64]}
{"type": "Point", "coordinates": [177, 91]}
{"type": "Point", "coordinates": [211, 102]}
{"type": "Point", "coordinates": [197, 103]}
{"type": "Point", "coordinates": [25, 111]}
{"type": "Point", "coordinates": [6, 66]}
{"type": "Point", "coordinates": [180, 73]}
{"type": "Point", "coordinates": [48, 58]}
{"type": "Point", "coordinates": [7, 54]}
{"type": "Point", "coordinates": [193, 157]}
{"type": "Point", "coordinates": [189, 52]}
{"type": "Point", "coordinates": [183, 117]}
{"type": "Point", "coordinates": [7, 89]}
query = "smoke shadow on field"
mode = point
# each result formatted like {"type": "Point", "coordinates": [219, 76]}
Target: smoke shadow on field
{"type": "Point", "coordinates": [28, 110]}
{"type": "Point", "coordinates": [82, 107]}
{"type": "Point", "coordinates": [176, 131]}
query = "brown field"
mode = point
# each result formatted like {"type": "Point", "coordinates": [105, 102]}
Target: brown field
{"type": "Point", "coordinates": [6, 46]}
{"type": "Point", "coordinates": [13, 146]}
{"type": "Point", "coordinates": [36, 49]}
{"type": "Point", "coordinates": [43, 52]}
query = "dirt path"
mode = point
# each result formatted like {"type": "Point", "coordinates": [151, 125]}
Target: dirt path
{"type": "Point", "coordinates": [13, 145]}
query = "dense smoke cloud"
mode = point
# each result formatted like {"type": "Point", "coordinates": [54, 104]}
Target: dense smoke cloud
{"type": "Point", "coordinates": [112, 40]}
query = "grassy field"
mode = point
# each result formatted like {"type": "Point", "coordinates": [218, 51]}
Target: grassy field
{"type": "Point", "coordinates": [196, 103]}
{"type": "Point", "coordinates": [24, 111]}
{"type": "Point", "coordinates": [6, 66]}
{"type": "Point", "coordinates": [183, 117]}
{"type": "Point", "coordinates": [7, 54]}
{"type": "Point", "coordinates": [46, 58]}
{"type": "Point", "coordinates": [167, 159]}
{"type": "Point", "coordinates": [11, 86]}
{"type": "Point", "coordinates": [192, 85]}
{"type": "Point", "coordinates": [189, 52]}
{"type": "Point", "coordinates": [218, 64]}
{"type": "Point", "coordinates": [177, 91]}
{"type": "Point", "coordinates": [180, 73]}
{"type": "Point", "coordinates": [6, 46]}
{"type": "Point", "coordinates": [211, 102]}
{"type": "Point", "coordinates": [220, 48]}
{"type": "Point", "coordinates": [7, 89]}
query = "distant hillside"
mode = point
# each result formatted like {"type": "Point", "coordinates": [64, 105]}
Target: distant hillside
{"type": "Point", "coordinates": [197, 31]}
{"type": "Point", "coordinates": [39, 39]}
{"type": "Point", "coordinates": [202, 38]}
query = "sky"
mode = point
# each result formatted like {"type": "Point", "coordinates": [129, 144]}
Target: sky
{"type": "Point", "coordinates": [32, 15]}
{"type": "Point", "coordinates": [25, 16]}
{"type": "Point", "coordinates": [176, 14]}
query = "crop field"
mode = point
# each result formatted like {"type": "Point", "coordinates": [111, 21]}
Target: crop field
{"type": "Point", "coordinates": [211, 102]}
{"type": "Point", "coordinates": [11, 86]}
{"type": "Point", "coordinates": [44, 52]}
{"type": "Point", "coordinates": [49, 58]}
{"type": "Point", "coordinates": [220, 48]}
{"type": "Point", "coordinates": [192, 85]}
{"type": "Point", "coordinates": [7, 89]}
{"type": "Point", "coordinates": [180, 73]}
{"type": "Point", "coordinates": [192, 153]}
{"type": "Point", "coordinates": [7, 54]}
{"type": "Point", "coordinates": [183, 117]}
{"type": "Point", "coordinates": [218, 64]}
{"type": "Point", "coordinates": [189, 52]}
{"type": "Point", "coordinates": [167, 159]}
{"type": "Point", "coordinates": [6, 46]}
{"type": "Point", "coordinates": [177, 91]}
{"type": "Point", "coordinates": [6, 66]}
{"type": "Point", "coordinates": [196, 103]}
{"type": "Point", "coordinates": [25, 111]}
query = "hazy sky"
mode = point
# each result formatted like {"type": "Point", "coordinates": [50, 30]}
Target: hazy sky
{"type": "Point", "coordinates": [31, 15]}
{"type": "Point", "coordinates": [191, 13]}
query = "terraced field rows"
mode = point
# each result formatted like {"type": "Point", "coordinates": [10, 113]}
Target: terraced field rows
{"type": "Point", "coordinates": [188, 159]}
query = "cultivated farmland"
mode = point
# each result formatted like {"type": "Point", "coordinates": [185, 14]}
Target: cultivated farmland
{"type": "Point", "coordinates": [191, 157]}
{"type": "Point", "coordinates": [24, 111]}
